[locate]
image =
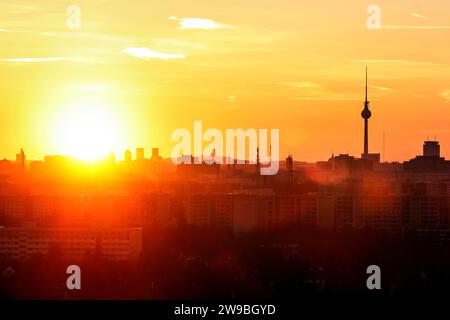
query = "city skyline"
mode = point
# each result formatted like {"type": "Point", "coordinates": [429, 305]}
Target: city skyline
{"type": "Point", "coordinates": [366, 114]}
{"type": "Point", "coordinates": [129, 155]}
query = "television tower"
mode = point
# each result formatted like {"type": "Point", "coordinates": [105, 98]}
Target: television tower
{"type": "Point", "coordinates": [366, 114]}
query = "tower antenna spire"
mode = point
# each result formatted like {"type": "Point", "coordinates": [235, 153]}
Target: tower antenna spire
{"type": "Point", "coordinates": [366, 83]}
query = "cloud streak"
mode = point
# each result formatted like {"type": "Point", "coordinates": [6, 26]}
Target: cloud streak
{"type": "Point", "coordinates": [41, 59]}
{"type": "Point", "coordinates": [393, 61]}
{"type": "Point", "coordinates": [327, 99]}
{"type": "Point", "coordinates": [145, 53]}
{"type": "Point", "coordinates": [197, 23]}
{"type": "Point", "coordinates": [299, 84]}
{"type": "Point", "coordinates": [379, 88]}
{"type": "Point", "coordinates": [418, 15]}
{"type": "Point", "coordinates": [399, 27]}
{"type": "Point", "coordinates": [446, 95]}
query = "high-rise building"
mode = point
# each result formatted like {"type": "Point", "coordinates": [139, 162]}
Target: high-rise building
{"type": "Point", "coordinates": [20, 160]}
{"type": "Point", "coordinates": [430, 161]}
{"type": "Point", "coordinates": [253, 210]}
{"type": "Point", "coordinates": [139, 153]}
{"type": "Point", "coordinates": [290, 169]}
{"type": "Point", "coordinates": [118, 244]}
{"type": "Point", "coordinates": [127, 156]}
{"type": "Point", "coordinates": [431, 149]}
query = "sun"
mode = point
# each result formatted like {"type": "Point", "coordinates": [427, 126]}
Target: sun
{"type": "Point", "coordinates": [88, 131]}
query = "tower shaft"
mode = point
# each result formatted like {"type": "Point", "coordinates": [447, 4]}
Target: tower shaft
{"type": "Point", "coordinates": [366, 136]}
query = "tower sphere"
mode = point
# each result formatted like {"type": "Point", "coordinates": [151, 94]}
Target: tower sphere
{"type": "Point", "coordinates": [366, 114]}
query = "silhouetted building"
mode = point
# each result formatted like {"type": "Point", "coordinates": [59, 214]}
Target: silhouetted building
{"type": "Point", "coordinates": [155, 153]}
{"type": "Point", "coordinates": [345, 163]}
{"type": "Point", "coordinates": [190, 168]}
{"type": "Point", "coordinates": [57, 164]}
{"type": "Point", "coordinates": [20, 160]}
{"type": "Point", "coordinates": [290, 169]}
{"type": "Point", "coordinates": [6, 166]}
{"type": "Point", "coordinates": [37, 166]}
{"type": "Point", "coordinates": [139, 154]}
{"type": "Point", "coordinates": [215, 210]}
{"type": "Point", "coordinates": [431, 149]}
{"type": "Point", "coordinates": [117, 244]}
{"type": "Point", "coordinates": [430, 161]}
{"type": "Point", "coordinates": [127, 156]}
{"type": "Point", "coordinates": [253, 210]}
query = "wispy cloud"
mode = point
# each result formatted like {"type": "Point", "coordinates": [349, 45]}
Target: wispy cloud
{"type": "Point", "coordinates": [11, 8]}
{"type": "Point", "coordinates": [303, 84]}
{"type": "Point", "coordinates": [418, 15]}
{"type": "Point", "coordinates": [197, 23]}
{"type": "Point", "coordinates": [232, 105]}
{"type": "Point", "coordinates": [446, 95]}
{"type": "Point", "coordinates": [295, 84]}
{"type": "Point", "coordinates": [327, 99]}
{"type": "Point", "coordinates": [28, 31]}
{"type": "Point", "coordinates": [414, 14]}
{"type": "Point", "coordinates": [399, 27]}
{"type": "Point", "coordinates": [41, 59]}
{"type": "Point", "coordinates": [231, 99]}
{"type": "Point", "coordinates": [379, 88]}
{"type": "Point", "coordinates": [145, 53]}
{"type": "Point", "coordinates": [393, 61]}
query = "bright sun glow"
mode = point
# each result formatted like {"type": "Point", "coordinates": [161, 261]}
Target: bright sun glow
{"type": "Point", "coordinates": [87, 132]}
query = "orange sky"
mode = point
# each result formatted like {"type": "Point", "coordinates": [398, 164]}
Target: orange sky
{"type": "Point", "coordinates": [293, 65]}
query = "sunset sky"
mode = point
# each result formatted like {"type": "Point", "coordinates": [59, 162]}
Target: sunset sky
{"type": "Point", "coordinates": [139, 69]}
